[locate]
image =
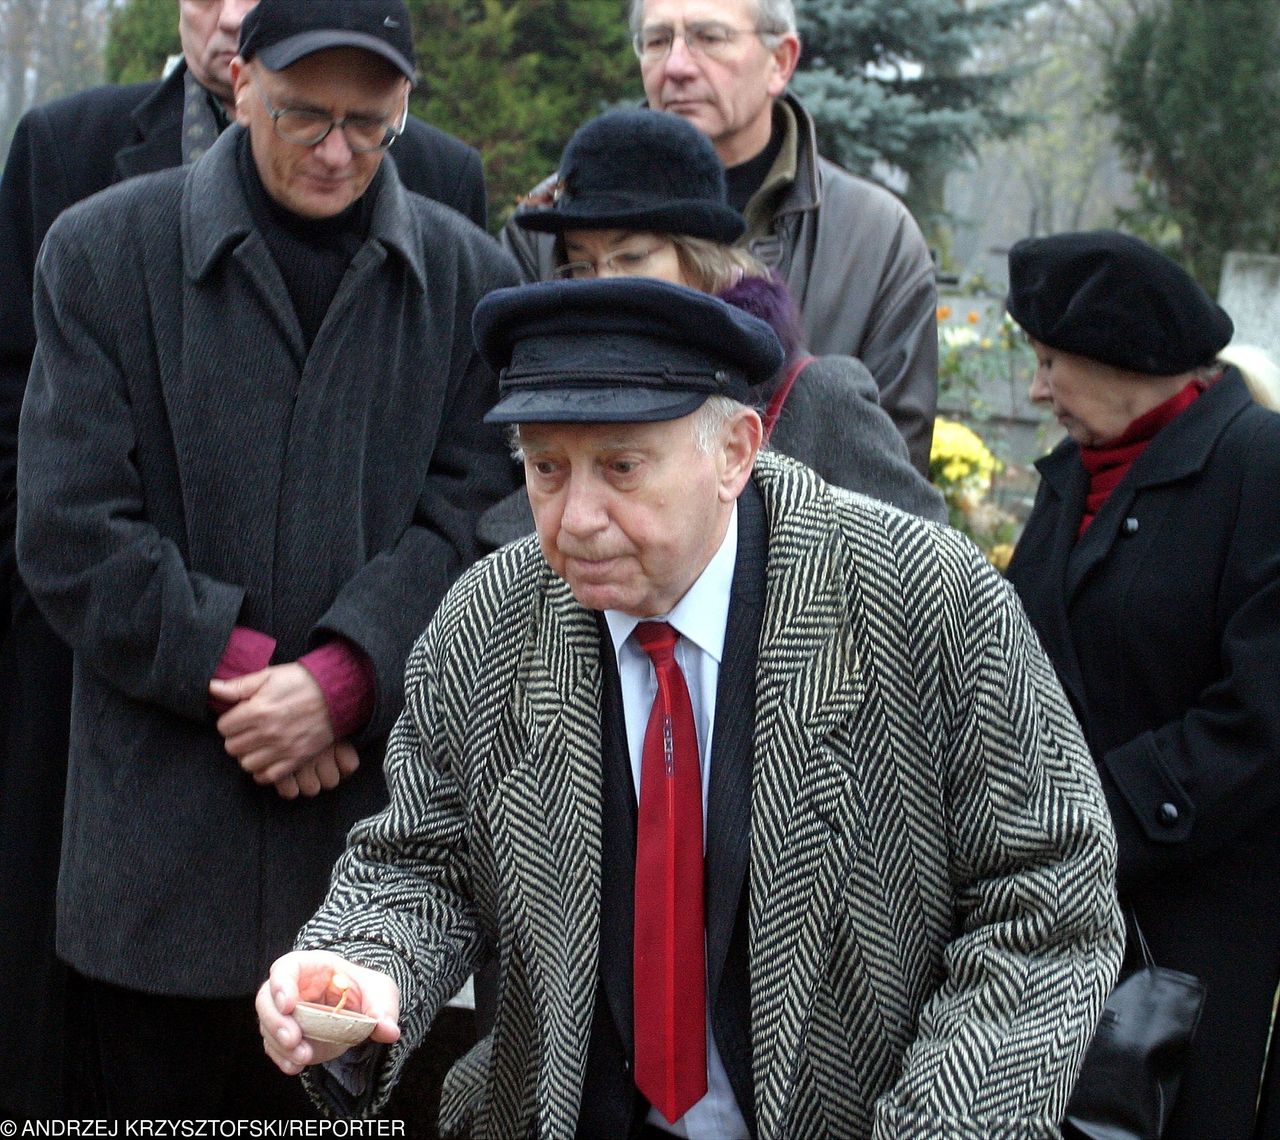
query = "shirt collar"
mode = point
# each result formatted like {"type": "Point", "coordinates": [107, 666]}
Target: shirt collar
{"type": "Point", "coordinates": [703, 613]}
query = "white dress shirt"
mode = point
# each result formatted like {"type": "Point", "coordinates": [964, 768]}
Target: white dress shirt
{"type": "Point", "coordinates": [700, 617]}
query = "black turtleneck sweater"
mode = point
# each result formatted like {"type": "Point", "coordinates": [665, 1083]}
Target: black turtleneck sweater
{"type": "Point", "coordinates": [747, 177]}
{"type": "Point", "coordinates": [312, 254]}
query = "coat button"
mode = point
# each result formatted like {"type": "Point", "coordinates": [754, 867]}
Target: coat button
{"type": "Point", "coordinates": [1131, 525]}
{"type": "Point", "coordinates": [1168, 814]}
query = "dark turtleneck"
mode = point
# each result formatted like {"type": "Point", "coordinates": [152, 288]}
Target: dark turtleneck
{"type": "Point", "coordinates": [312, 254]}
{"type": "Point", "coordinates": [747, 177]}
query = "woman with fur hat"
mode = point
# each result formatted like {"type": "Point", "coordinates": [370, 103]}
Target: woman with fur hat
{"type": "Point", "coordinates": [1150, 567]}
{"type": "Point", "coordinates": [642, 193]}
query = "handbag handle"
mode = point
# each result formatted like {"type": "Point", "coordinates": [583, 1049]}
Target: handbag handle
{"type": "Point", "coordinates": [1147, 959]}
{"type": "Point", "coordinates": [774, 409]}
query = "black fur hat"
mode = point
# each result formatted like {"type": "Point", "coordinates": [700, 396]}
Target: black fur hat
{"type": "Point", "coordinates": [1113, 298]}
{"type": "Point", "coordinates": [640, 170]}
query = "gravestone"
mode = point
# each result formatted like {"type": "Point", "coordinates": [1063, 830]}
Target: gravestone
{"type": "Point", "coordinates": [1250, 292]}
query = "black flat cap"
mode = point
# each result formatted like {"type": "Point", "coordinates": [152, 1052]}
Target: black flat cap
{"type": "Point", "coordinates": [281, 32]}
{"type": "Point", "coordinates": [1113, 298]}
{"type": "Point", "coordinates": [640, 170]}
{"type": "Point", "coordinates": [622, 350]}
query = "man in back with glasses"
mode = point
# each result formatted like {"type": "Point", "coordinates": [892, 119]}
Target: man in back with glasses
{"type": "Point", "coordinates": [850, 253]}
{"type": "Point", "coordinates": [251, 460]}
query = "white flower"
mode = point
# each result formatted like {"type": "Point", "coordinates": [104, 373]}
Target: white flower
{"type": "Point", "coordinates": [959, 336]}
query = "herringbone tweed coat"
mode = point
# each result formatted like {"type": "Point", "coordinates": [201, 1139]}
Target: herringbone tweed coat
{"type": "Point", "coordinates": [932, 924]}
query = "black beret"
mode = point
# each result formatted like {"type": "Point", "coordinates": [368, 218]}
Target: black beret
{"type": "Point", "coordinates": [619, 350]}
{"type": "Point", "coordinates": [640, 170]}
{"type": "Point", "coordinates": [1113, 298]}
{"type": "Point", "coordinates": [281, 32]}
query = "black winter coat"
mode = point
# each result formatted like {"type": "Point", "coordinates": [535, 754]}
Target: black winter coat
{"type": "Point", "coordinates": [61, 153]}
{"type": "Point", "coordinates": [223, 474]}
{"type": "Point", "coordinates": [1163, 621]}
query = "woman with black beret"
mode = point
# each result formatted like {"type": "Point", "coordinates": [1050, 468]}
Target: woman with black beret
{"type": "Point", "coordinates": [1150, 567]}
{"type": "Point", "coordinates": [642, 194]}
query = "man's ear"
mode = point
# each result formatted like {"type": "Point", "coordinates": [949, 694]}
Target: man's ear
{"type": "Point", "coordinates": [786, 56]}
{"type": "Point", "coordinates": [740, 444]}
{"type": "Point", "coordinates": [240, 90]}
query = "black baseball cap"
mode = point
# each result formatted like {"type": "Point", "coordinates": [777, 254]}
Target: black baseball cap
{"type": "Point", "coordinates": [622, 350]}
{"type": "Point", "coordinates": [281, 32]}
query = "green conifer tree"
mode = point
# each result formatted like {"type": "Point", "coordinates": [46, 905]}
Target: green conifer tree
{"type": "Point", "coordinates": [1196, 87]}
{"type": "Point", "coordinates": [517, 77]}
{"type": "Point", "coordinates": [905, 82]}
{"type": "Point", "coordinates": [142, 35]}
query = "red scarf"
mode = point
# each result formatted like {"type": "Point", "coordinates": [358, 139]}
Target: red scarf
{"type": "Point", "coordinates": [1109, 464]}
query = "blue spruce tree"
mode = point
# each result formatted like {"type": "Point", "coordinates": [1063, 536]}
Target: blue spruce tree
{"type": "Point", "coordinates": [904, 84]}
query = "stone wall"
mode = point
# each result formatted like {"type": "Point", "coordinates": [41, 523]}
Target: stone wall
{"type": "Point", "coordinates": [1250, 292]}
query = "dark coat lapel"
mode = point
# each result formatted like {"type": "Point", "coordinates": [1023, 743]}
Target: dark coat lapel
{"type": "Point", "coordinates": [1064, 484]}
{"type": "Point", "coordinates": [729, 795]}
{"type": "Point", "coordinates": [158, 122]}
{"type": "Point", "coordinates": [617, 903]}
{"type": "Point", "coordinates": [218, 393]}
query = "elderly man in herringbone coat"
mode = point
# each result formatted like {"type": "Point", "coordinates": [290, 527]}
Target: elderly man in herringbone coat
{"type": "Point", "coordinates": [901, 921]}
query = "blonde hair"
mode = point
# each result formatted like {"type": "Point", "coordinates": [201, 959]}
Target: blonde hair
{"type": "Point", "coordinates": [711, 266]}
{"type": "Point", "coordinates": [1261, 373]}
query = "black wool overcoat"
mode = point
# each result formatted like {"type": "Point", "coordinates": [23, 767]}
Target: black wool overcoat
{"type": "Point", "coordinates": [1163, 621]}
{"type": "Point", "coordinates": [187, 465]}
{"type": "Point", "coordinates": [63, 152]}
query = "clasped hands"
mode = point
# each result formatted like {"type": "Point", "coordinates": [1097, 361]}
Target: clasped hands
{"type": "Point", "coordinates": [278, 729]}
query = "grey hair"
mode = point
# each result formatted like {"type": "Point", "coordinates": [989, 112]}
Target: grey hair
{"type": "Point", "coordinates": [773, 18]}
{"type": "Point", "coordinates": [711, 419]}
{"type": "Point", "coordinates": [1261, 373]}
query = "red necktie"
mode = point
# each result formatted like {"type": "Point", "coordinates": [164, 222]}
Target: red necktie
{"type": "Point", "coordinates": [670, 958]}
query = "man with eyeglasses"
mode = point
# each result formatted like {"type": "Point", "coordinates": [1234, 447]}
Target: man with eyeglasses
{"type": "Point", "coordinates": [251, 462]}
{"type": "Point", "coordinates": [62, 152]}
{"type": "Point", "coordinates": [849, 251]}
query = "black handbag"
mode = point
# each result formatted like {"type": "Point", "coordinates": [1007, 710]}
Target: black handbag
{"type": "Point", "coordinates": [1134, 1063]}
